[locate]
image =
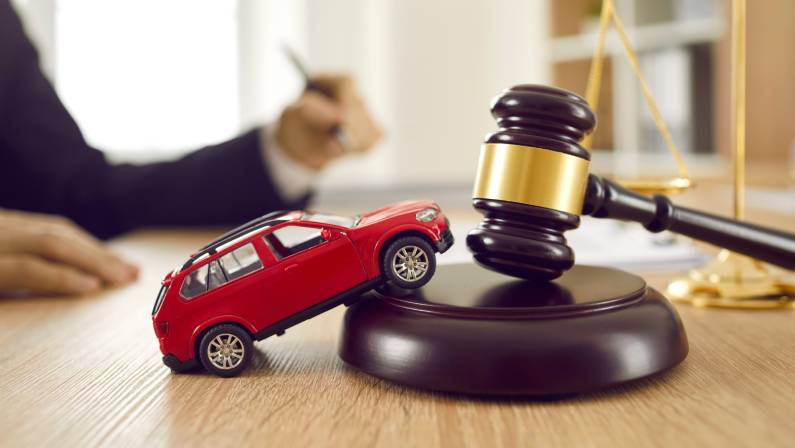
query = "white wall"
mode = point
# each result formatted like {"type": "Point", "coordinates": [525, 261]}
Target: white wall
{"type": "Point", "coordinates": [430, 70]}
{"type": "Point", "coordinates": [267, 82]}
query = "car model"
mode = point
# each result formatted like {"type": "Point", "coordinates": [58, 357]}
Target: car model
{"type": "Point", "coordinates": [283, 268]}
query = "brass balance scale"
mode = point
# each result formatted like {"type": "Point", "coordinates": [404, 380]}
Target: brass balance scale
{"type": "Point", "coordinates": [730, 280]}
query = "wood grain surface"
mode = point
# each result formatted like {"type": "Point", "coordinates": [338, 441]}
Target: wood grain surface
{"type": "Point", "coordinates": [87, 371]}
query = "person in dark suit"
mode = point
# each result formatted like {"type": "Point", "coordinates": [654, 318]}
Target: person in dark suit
{"type": "Point", "coordinates": [59, 197]}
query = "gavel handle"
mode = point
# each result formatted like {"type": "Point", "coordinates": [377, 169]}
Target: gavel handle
{"type": "Point", "coordinates": [606, 199]}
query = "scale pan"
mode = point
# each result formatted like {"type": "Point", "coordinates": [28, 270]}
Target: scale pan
{"type": "Point", "coordinates": [652, 186]}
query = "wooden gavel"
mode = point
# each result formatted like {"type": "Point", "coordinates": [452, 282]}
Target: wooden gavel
{"type": "Point", "coordinates": [533, 183]}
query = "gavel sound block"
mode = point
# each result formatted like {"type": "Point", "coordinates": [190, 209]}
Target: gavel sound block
{"type": "Point", "coordinates": [477, 332]}
{"type": "Point", "coordinates": [523, 319]}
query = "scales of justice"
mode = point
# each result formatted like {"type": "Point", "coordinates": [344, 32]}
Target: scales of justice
{"type": "Point", "coordinates": [523, 319]}
{"type": "Point", "coordinates": [730, 280]}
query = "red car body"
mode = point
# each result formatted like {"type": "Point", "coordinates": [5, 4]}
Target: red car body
{"type": "Point", "coordinates": [283, 292]}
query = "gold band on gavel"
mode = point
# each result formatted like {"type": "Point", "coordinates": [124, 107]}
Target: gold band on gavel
{"type": "Point", "coordinates": [533, 176]}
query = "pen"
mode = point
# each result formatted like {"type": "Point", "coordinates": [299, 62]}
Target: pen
{"type": "Point", "coordinates": [339, 133]}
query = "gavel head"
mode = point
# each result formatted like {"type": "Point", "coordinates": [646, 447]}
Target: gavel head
{"type": "Point", "coordinates": [531, 182]}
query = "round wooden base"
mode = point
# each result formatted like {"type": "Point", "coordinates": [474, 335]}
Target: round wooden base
{"type": "Point", "coordinates": [474, 331]}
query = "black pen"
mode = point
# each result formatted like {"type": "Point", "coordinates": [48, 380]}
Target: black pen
{"type": "Point", "coordinates": [340, 134]}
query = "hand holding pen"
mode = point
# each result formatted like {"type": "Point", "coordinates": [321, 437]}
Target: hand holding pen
{"type": "Point", "coordinates": [328, 120]}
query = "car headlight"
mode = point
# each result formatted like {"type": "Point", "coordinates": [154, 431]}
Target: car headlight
{"type": "Point", "coordinates": [426, 215]}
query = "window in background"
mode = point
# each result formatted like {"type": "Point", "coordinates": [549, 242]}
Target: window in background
{"type": "Point", "coordinates": [148, 79]}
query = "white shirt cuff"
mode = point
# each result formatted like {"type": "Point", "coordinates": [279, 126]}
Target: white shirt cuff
{"type": "Point", "coordinates": [292, 179]}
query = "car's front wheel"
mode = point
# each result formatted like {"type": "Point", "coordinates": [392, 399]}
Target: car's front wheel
{"type": "Point", "coordinates": [409, 262]}
{"type": "Point", "coordinates": [225, 350]}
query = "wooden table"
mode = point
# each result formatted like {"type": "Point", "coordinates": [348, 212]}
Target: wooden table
{"type": "Point", "coordinates": [87, 371]}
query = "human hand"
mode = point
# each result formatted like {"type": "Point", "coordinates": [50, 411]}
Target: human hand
{"type": "Point", "coordinates": [49, 254]}
{"type": "Point", "coordinates": [305, 128]}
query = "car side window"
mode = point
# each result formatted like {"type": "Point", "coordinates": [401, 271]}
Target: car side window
{"type": "Point", "coordinates": [203, 279]}
{"type": "Point", "coordinates": [216, 276]}
{"type": "Point", "coordinates": [195, 283]}
{"type": "Point", "coordinates": [240, 262]}
{"type": "Point", "coordinates": [290, 240]}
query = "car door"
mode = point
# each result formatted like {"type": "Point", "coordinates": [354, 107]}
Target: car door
{"type": "Point", "coordinates": [317, 263]}
{"type": "Point", "coordinates": [256, 284]}
{"type": "Point", "coordinates": [245, 276]}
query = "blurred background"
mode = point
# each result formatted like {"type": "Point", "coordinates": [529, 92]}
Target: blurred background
{"type": "Point", "coordinates": [151, 79]}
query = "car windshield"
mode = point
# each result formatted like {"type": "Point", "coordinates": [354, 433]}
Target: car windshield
{"type": "Point", "coordinates": [342, 221]}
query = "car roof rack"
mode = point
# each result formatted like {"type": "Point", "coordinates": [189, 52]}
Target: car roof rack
{"type": "Point", "coordinates": [263, 221]}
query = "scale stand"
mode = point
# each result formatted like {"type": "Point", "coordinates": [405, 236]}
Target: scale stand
{"type": "Point", "coordinates": [732, 280]}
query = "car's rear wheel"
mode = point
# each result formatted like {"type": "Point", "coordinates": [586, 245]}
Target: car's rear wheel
{"type": "Point", "coordinates": [225, 350]}
{"type": "Point", "coordinates": [409, 262]}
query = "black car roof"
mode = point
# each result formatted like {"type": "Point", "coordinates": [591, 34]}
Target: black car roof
{"type": "Point", "coordinates": [262, 222]}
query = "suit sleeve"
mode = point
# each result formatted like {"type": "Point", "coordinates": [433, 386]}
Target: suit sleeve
{"type": "Point", "coordinates": [47, 166]}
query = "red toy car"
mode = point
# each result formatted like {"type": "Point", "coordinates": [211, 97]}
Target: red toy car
{"type": "Point", "coordinates": [283, 268]}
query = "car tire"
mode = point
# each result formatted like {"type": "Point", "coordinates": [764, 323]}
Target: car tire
{"type": "Point", "coordinates": [409, 262]}
{"type": "Point", "coordinates": [225, 350]}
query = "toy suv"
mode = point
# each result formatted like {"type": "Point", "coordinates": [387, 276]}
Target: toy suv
{"type": "Point", "coordinates": [283, 268]}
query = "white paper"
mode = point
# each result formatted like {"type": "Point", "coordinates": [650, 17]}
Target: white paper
{"type": "Point", "coordinates": [608, 243]}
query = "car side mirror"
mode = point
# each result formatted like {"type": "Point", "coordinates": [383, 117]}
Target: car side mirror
{"type": "Point", "coordinates": [326, 234]}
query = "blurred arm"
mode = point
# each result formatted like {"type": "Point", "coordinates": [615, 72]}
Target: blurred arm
{"type": "Point", "coordinates": [293, 179]}
{"type": "Point", "coordinates": [46, 165]}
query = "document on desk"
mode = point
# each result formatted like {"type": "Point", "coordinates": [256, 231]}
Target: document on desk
{"type": "Point", "coordinates": [608, 243]}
